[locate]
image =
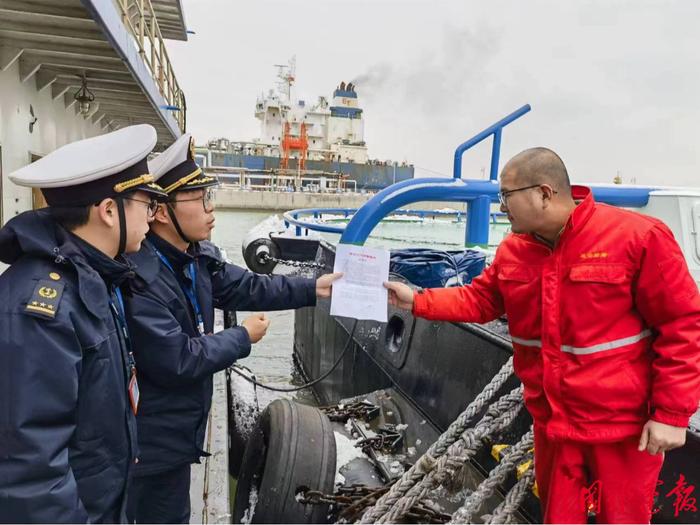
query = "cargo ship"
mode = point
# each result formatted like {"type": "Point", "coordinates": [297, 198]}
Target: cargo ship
{"type": "Point", "coordinates": [310, 140]}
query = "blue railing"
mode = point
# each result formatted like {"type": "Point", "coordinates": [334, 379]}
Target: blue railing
{"type": "Point", "coordinates": [495, 130]}
{"type": "Point", "coordinates": [296, 217]}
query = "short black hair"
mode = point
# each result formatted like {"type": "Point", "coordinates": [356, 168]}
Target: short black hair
{"type": "Point", "coordinates": [71, 217]}
{"type": "Point", "coordinates": [540, 166]}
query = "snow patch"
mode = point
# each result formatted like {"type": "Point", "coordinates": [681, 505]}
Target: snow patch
{"type": "Point", "coordinates": [245, 409]}
{"type": "Point", "coordinates": [346, 451]}
{"type": "Point", "coordinates": [348, 426]}
{"type": "Point", "coordinates": [250, 511]}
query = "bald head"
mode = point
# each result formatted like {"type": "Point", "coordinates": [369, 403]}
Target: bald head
{"type": "Point", "coordinates": [539, 166]}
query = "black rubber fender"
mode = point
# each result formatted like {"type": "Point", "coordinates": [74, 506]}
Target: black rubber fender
{"type": "Point", "coordinates": [253, 252]}
{"type": "Point", "coordinates": [292, 448]}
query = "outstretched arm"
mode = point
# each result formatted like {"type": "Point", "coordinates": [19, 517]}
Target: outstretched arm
{"type": "Point", "coordinates": [477, 302]}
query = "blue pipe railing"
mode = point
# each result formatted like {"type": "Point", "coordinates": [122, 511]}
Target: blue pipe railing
{"type": "Point", "coordinates": [496, 130]}
{"type": "Point", "coordinates": [294, 217]}
{"type": "Point", "coordinates": [626, 197]}
{"type": "Point", "coordinates": [422, 190]}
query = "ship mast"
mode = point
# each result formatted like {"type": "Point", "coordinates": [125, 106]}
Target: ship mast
{"type": "Point", "coordinates": [286, 77]}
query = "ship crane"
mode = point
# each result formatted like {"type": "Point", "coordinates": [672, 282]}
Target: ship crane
{"type": "Point", "coordinates": [294, 143]}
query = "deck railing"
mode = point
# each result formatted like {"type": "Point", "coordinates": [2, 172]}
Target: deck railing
{"type": "Point", "coordinates": [141, 21]}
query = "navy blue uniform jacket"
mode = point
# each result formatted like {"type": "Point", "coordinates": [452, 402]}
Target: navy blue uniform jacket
{"type": "Point", "coordinates": [175, 363]}
{"type": "Point", "coordinates": [66, 426]}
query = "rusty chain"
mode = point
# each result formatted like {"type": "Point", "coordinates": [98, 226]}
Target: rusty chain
{"type": "Point", "coordinates": [266, 257]}
{"type": "Point", "coordinates": [348, 504]}
{"type": "Point", "coordinates": [386, 439]}
{"type": "Point", "coordinates": [363, 410]}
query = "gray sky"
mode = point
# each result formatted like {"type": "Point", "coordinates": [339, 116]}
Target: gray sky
{"type": "Point", "coordinates": [614, 85]}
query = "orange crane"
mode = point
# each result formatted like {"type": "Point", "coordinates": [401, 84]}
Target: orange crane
{"type": "Point", "coordinates": [294, 143]}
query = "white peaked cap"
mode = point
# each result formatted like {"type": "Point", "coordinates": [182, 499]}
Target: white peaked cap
{"type": "Point", "coordinates": [176, 154]}
{"type": "Point", "coordinates": [176, 170]}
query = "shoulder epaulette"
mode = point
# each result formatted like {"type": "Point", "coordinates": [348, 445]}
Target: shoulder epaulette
{"type": "Point", "coordinates": [46, 297]}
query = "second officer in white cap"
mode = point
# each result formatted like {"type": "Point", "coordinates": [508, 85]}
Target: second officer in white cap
{"type": "Point", "coordinates": [68, 385]}
{"type": "Point", "coordinates": [181, 278]}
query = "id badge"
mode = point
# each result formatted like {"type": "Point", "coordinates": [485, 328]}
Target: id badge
{"type": "Point", "coordinates": [134, 393]}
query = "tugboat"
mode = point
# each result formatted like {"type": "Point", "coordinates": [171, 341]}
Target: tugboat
{"type": "Point", "coordinates": [419, 421]}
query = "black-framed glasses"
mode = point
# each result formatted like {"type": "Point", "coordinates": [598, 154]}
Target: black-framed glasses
{"type": "Point", "coordinates": [207, 199]}
{"type": "Point", "coordinates": [503, 195]}
{"type": "Point", "coordinates": [152, 205]}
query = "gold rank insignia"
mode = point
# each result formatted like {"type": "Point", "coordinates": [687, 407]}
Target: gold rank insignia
{"type": "Point", "coordinates": [45, 298]}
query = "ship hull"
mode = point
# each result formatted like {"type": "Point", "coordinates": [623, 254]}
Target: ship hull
{"type": "Point", "coordinates": [368, 177]}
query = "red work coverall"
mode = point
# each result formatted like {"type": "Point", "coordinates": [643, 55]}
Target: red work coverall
{"type": "Point", "coordinates": [605, 329]}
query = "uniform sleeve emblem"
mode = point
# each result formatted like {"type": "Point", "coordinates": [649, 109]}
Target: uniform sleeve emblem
{"type": "Point", "coordinates": [45, 298]}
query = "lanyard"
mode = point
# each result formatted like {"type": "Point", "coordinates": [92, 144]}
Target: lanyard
{"type": "Point", "coordinates": [120, 316]}
{"type": "Point", "coordinates": [191, 291]}
{"type": "Point", "coordinates": [130, 364]}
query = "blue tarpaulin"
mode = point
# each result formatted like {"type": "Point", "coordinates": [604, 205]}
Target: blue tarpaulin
{"type": "Point", "coordinates": [436, 268]}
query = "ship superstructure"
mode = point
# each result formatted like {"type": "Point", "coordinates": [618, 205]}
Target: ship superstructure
{"type": "Point", "coordinates": [334, 130]}
{"type": "Point", "coordinates": [325, 137]}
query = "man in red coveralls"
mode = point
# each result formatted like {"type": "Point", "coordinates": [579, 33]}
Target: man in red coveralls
{"type": "Point", "coordinates": [604, 318]}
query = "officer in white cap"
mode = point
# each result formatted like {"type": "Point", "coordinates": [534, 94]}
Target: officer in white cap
{"type": "Point", "coordinates": [181, 278]}
{"type": "Point", "coordinates": [68, 384]}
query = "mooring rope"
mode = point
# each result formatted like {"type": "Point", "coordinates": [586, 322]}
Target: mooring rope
{"type": "Point", "coordinates": [499, 416]}
{"type": "Point", "coordinates": [427, 462]}
{"type": "Point", "coordinates": [514, 455]}
{"type": "Point", "coordinates": [507, 508]}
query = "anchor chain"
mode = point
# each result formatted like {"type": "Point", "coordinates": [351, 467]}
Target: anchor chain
{"type": "Point", "coordinates": [266, 257]}
{"type": "Point", "coordinates": [348, 504]}
{"type": "Point", "coordinates": [386, 439]}
{"type": "Point", "coordinates": [363, 410]}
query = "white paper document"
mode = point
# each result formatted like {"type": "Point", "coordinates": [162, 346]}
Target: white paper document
{"type": "Point", "coordinates": [360, 292]}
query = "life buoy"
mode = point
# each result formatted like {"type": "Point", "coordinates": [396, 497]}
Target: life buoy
{"type": "Point", "coordinates": [292, 448]}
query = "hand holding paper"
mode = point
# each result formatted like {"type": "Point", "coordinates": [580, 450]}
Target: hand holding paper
{"type": "Point", "coordinates": [360, 293]}
{"type": "Point", "coordinates": [400, 295]}
{"type": "Point", "coordinates": [324, 284]}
